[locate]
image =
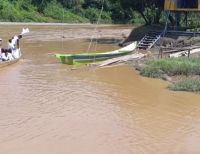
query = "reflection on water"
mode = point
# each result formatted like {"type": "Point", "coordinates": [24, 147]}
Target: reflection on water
{"type": "Point", "coordinates": [48, 108]}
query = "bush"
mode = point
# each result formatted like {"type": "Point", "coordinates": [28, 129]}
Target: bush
{"type": "Point", "coordinates": [137, 19]}
{"type": "Point", "coordinates": [153, 72]}
{"type": "Point", "coordinates": [176, 66]}
{"type": "Point", "coordinates": [56, 11]}
{"type": "Point", "coordinates": [8, 12]}
{"type": "Point", "coordinates": [93, 15]}
{"type": "Point", "coordinates": [19, 11]}
{"type": "Point", "coordinates": [192, 85]}
{"type": "Point", "coordinates": [52, 11]}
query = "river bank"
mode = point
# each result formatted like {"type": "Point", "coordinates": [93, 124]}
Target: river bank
{"type": "Point", "coordinates": [182, 73]}
{"type": "Point", "coordinates": [42, 23]}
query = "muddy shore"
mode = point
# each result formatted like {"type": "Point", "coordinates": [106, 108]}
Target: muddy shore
{"type": "Point", "coordinates": [164, 49]}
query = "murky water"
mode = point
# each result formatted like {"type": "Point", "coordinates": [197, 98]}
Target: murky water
{"type": "Point", "coordinates": [50, 108]}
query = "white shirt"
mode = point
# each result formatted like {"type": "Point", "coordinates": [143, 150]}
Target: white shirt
{"type": "Point", "coordinates": [0, 53]}
{"type": "Point", "coordinates": [16, 53]}
{"type": "Point", "coordinates": [13, 43]}
{"type": "Point", "coordinates": [11, 46]}
{"type": "Point", "coordinates": [8, 57]}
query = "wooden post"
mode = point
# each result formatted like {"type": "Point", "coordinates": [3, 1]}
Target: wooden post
{"type": "Point", "coordinates": [186, 18]}
{"type": "Point", "coordinates": [177, 16]}
{"type": "Point", "coordinates": [189, 53]}
{"type": "Point", "coordinates": [160, 53]}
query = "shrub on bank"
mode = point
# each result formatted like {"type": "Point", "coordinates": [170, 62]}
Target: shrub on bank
{"type": "Point", "coordinates": [56, 11]}
{"type": "Point", "coordinates": [20, 11]}
{"type": "Point", "coordinates": [176, 66]}
{"type": "Point", "coordinates": [153, 72]}
{"type": "Point", "coordinates": [172, 66]}
{"type": "Point", "coordinates": [6, 14]}
{"type": "Point", "coordinates": [50, 11]}
{"type": "Point", "coordinates": [93, 15]}
{"type": "Point", "coordinates": [192, 85]}
{"type": "Point", "coordinates": [24, 11]}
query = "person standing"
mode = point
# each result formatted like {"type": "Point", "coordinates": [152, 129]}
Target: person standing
{"type": "Point", "coordinates": [13, 46]}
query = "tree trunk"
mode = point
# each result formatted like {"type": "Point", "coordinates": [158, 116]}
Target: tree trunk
{"type": "Point", "coordinates": [157, 16]}
{"type": "Point", "coordinates": [144, 17]}
{"type": "Point", "coordinates": [171, 19]}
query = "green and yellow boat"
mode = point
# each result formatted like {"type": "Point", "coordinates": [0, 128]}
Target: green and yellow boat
{"type": "Point", "coordinates": [84, 58]}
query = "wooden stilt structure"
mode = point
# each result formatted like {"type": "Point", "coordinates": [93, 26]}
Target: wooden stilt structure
{"type": "Point", "coordinates": [179, 7]}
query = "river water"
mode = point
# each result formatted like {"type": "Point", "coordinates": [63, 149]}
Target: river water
{"type": "Point", "coordinates": [50, 108]}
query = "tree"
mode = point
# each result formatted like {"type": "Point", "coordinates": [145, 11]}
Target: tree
{"type": "Point", "coordinates": [71, 3]}
{"type": "Point", "coordinates": [41, 4]}
{"type": "Point", "coordinates": [150, 10]}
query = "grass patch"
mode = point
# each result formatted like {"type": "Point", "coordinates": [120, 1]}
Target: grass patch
{"type": "Point", "coordinates": [153, 72]}
{"type": "Point", "coordinates": [192, 85]}
{"type": "Point", "coordinates": [172, 67]}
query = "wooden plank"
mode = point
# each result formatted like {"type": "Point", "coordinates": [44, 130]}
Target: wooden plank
{"type": "Point", "coordinates": [119, 59]}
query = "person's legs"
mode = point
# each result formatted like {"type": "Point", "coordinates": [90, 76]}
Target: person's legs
{"type": "Point", "coordinates": [10, 50]}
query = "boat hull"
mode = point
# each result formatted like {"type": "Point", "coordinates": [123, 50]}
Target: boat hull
{"type": "Point", "coordinates": [87, 58]}
{"type": "Point", "coordinates": [10, 62]}
{"type": "Point", "coordinates": [73, 59]}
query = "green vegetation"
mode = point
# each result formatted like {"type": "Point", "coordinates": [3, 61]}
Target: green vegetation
{"type": "Point", "coordinates": [73, 11]}
{"type": "Point", "coordinates": [149, 10]}
{"type": "Point", "coordinates": [55, 11]}
{"type": "Point", "coordinates": [172, 66]}
{"type": "Point", "coordinates": [176, 66]}
{"type": "Point", "coordinates": [192, 85]}
{"type": "Point", "coordinates": [153, 72]}
{"type": "Point", "coordinates": [139, 12]}
{"type": "Point", "coordinates": [81, 11]}
{"type": "Point", "coordinates": [19, 11]}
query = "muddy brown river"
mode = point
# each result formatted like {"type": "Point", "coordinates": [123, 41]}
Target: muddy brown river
{"type": "Point", "coordinates": [50, 108]}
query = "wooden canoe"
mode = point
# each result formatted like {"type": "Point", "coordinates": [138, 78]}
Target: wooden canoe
{"type": "Point", "coordinates": [9, 62]}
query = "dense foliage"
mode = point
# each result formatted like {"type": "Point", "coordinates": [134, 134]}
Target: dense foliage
{"type": "Point", "coordinates": [79, 11]}
{"type": "Point", "coordinates": [114, 11]}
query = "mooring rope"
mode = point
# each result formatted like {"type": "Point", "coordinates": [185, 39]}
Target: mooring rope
{"type": "Point", "coordinates": [95, 29]}
{"type": "Point", "coordinates": [62, 35]}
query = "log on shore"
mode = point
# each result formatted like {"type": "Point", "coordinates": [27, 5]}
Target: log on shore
{"type": "Point", "coordinates": [173, 50]}
{"type": "Point", "coordinates": [184, 53]}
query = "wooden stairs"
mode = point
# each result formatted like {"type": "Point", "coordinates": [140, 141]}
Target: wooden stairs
{"type": "Point", "coordinates": [149, 40]}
